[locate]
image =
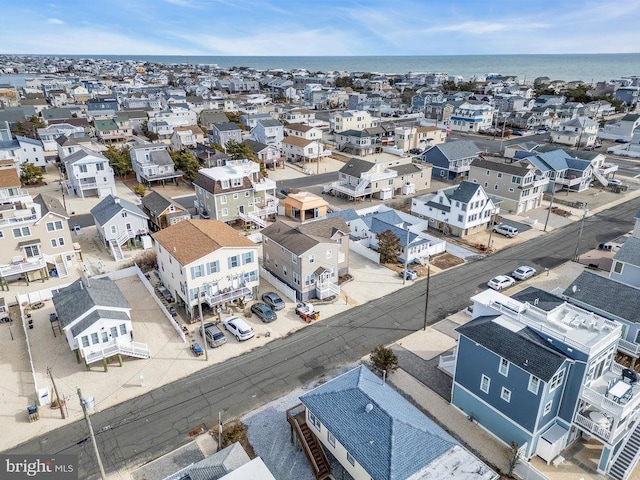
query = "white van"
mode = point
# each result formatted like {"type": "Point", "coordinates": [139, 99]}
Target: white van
{"type": "Point", "coordinates": [506, 230]}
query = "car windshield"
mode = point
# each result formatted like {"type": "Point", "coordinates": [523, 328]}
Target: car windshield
{"type": "Point", "coordinates": [244, 331]}
{"type": "Point", "coordinates": [276, 300]}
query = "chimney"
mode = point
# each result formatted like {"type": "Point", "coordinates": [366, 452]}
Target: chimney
{"type": "Point", "coordinates": [116, 200]}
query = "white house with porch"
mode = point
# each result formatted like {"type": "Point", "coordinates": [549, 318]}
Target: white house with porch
{"type": "Point", "coordinates": [89, 174]}
{"type": "Point", "coordinates": [207, 261]}
{"type": "Point", "coordinates": [96, 320]}
{"type": "Point", "coordinates": [119, 221]}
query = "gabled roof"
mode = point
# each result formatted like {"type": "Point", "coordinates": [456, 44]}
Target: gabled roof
{"type": "Point", "coordinates": [510, 168]}
{"type": "Point", "coordinates": [324, 228]}
{"type": "Point", "coordinates": [192, 239]}
{"type": "Point", "coordinates": [289, 237]}
{"type": "Point", "coordinates": [379, 225]}
{"type": "Point", "coordinates": [356, 167]}
{"type": "Point", "coordinates": [110, 206]}
{"type": "Point", "coordinates": [82, 295]}
{"type": "Point", "coordinates": [385, 433]}
{"type": "Point", "coordinates": [463, 192]}
{"type": "Point", "coordinates": [296, 141]}
{"type": "Point", "coordinates": [83, 154]}
{"type": "Point", "coordinates": [347, 215]}
{"type": "Point", "coordinates": [299, 127]}
{"type": "Point", "coordinates": [157, 203]}
{"type": "Point", "coordinates": [356, 133]}
{"type": "Point", "coordinates": [225, 127]}
{"type": "Point", "coordinates": [160, 157]}
{"type": "Point", "coordinates": [406, 169]}
{"type": "Point", "coordinates": [269, 122]}
{"type": "Point", "coordinates": [523, 348]}
{"type": "Point", "coordinates": [606, 296]}
{"type": "Point", "coordinates": [256, 147]}
{"type": "Point", "coordinates": [50, 204]}
{"type": "Point", "coordinates": [456, 150]}
{"type": "Point", "coordinates": [9, 178]}
{"type": "Point", "coordinates": [629, 252]}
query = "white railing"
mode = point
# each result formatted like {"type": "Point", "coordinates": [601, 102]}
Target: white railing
{"type": "Point", "coordinates": [447, 363]}
{"type": "Point", "coordinates": [593, 427]}
{"type": "Point", "coordinates": [252, 217]}
{"type": "Point", "coordinates": [327, 289]}
{"type": "Point", "coordinates": [264, 184]}
{"type": "Point", "coordinates": [629, 347]}
{"type": "Point", "coordinates": [116, 251]}
{"type": "Point", "coordinates": [87, 186]}
{"type": "Point", "coordinates": [600, 177]}
{"type": "Point", "coordinates": [608, 168]}
{"type": "Point", "coordinates": [372, 177]}
{"type": "Point", "coordinates": [115, 347]}
{"type": "Point", "coordinates": [222, 297]}
{"type": "Point", "coordinates": [17, 218]}
{"type": "Point", "coordinates": [609, 405]}
{"type": "Point", "coordinates": [22, 267]}
{"type": "Point", "coordinates": [346, 189]}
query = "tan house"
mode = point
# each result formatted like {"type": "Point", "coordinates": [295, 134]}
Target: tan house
{"type": "Point", "coordinates": [418, 138]}
{"type": "Point", "coordinates": [411, 178]}
{"type": "Point", "coordinates": [305, 206]}
{"type": "Point", "coordinates": [206, 261]}
{"type": "Point", "coordinates": [35, 240]}
{"type": "Point", "coordinates": [186, 137]}
{"type": "Point", "coordinates": [308, 257]}
{"type": "Point", "coordinates": [162, 211]}
{"type": "Point", "coordinates": [519, 185]}
{"type": "Point", "coordinates": [303, 131]}
{"type": "Point", "coordinates": [298, 149]}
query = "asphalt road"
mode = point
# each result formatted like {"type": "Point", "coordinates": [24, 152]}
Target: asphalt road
{"type": "Point", "coordinates": [146, 427]}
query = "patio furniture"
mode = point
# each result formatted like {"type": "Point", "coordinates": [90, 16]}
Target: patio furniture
{"type": "Point", "coordinates": [618, 390]}
{"type": "Point", "coordinates": [559, 460]}
{"type": "Point", "coordinates": [600, 419]}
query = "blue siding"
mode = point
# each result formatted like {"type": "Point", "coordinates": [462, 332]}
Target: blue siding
{"type": "Point", "coordinates": [573, 384]}
{"type": "Point", "coordinates": [474, 361]}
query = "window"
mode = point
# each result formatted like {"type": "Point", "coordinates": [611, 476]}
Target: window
{"type": "Point", "coordinates": [197, 272]}
{"type": "Point", "coordinates": [329, 253]}
{"type": "Point", "coordinates": [100, 166]}
{"type": "Point", "coordinates": [511, 189]}
{"type": "Point", "coordinates": [53, 226]}
{"type": "Point", "coordinates": [350, 459]}
{"type": "Point", "coordinates": [284, 270]}
{"type": "Point", "coordinates": [114, 229]}
{"type": "Point", "coordinates": [235, 196]}
{"type": "Point", "coordinates": [312, 258]}
{"type": "Point", "coordinates": [534, 384]}
{"type": "Point", "coordinates": [85, 341]}
{"type": "Point", "coordinates": [547, 407]}
{"type": "Point", "coordinates": [83, 168]}
{"type": "Point", "coordinates": [495, 187]}
{"type": "Point", "coordinates": [223, 199]}
{"type": "Point", "coordinates": [617, 267]}
{"type": "Point", "coordinates": [32, 251]}
{"type": "Point", "coordinates": [234, 261]}
{"type": "Point", "coordinates": [460, 218]}
{"type": "Point", "coordinates": [294, 259]}
{"type": "Point", "coordinates": [504, 367]}
{"type": "Point", "coordinates": [515, 179]}
{"type": "Point", "coordinates": [105, 337]}
{"type": "Point", "coordinates": [505, 395]}
{"type": "Point", "coordinates": [499, 175]}
{"type": "Point", "coordinates": [556, 381]}
{"type": "Point", "coordinates": [485, 383]}
{"type": "Point", "coordinates": [331, 439]}
{"type": "Point", "coordinates": [314, 421]}
{"type": "Point", "coordinates": [247, 258]}
{"type": "Point", "coordinates": [247, 194]}
{"type": "Point", "coordinates": [225, 212]}
{"type": "Point", "coordinates": [21, 232]}
{"type": "Point", "coordinates": [114, 332]}
{"type": "Point", "coordinates": [213, 267]}
{"type": "Point", "coordinates": [94, 338]}
{"type": "Point", "coordinates": [296, 278]}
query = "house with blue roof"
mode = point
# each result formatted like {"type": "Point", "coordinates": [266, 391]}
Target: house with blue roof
{"type": "Point", "coordinates": [460, 210]}
{"type": "Point", "coordinates": [118, 221]}
{"type": "Point", "coordinates": [451, 160]}
{"type": "Point", "coordinates": [375, 433]}
{"type": "Point", "coordinates": [366, 223]}
{"type": "Point", "coordinates": [564, 171]}
{"type": "Point", "coordinates": [542, 372]}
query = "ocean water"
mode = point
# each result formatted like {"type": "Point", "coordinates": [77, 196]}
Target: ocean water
{"type": "Point", "coordinates": [585, 67]}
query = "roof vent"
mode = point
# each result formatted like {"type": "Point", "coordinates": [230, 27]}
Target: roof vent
{"type": "Point", "coordinates": [526, 363]}
{"type": "Point", "coordinates": [368, 408]}
{"type": "Point", "coordinates": [536, 301]}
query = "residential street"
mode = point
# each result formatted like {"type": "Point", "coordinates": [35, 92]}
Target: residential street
{"type": "Point", "coordinates": [144, 428]}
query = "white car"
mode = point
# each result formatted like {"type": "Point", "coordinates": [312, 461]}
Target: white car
{"type": "Point", "coordinates": [238, 328]}
{"type": "Point", "coordinates": [500, 282]}
{"type": "Point", "coordinates": [523, 272]}
{"type": "Point", "coordinates": [614, 181]}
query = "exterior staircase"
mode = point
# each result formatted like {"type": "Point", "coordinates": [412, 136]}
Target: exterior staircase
{"type": "Point", "coordinates": [628, 456]}
{"type": "Point", "coordinates": [310, 444]}
{"type": "Point", "coordinates": [600, 177]}
{"type": "Point", "coordinates": [131, 349]}
{"type": "Point", "coordinates": [116, 251]}
{"type": "Point", "coordinates": [258, 215]}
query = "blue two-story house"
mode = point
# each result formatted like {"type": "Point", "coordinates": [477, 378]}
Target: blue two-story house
{"type": "Point", "coordinates": [538, 371]}
{"type": "Point", "coordinates": [451, 160]}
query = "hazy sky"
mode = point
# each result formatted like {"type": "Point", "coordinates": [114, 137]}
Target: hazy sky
{"type": "Point", "coordinates": [319, 27]}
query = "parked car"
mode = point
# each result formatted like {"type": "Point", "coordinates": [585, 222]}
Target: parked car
{"type": "Point", "coordinates": [408, 274]}
{"type": "Point", "coordinates": [165, 293]}
{"type": "Point", "coordinates": [518, 133]}
{"type": "Point", "coordinates": [215, 337]}
{"type": "Point", "coordinates": [621, 140]}
{"type": "Point", "coordinates": [264, 312]}
{"type": "Point", "coordinates": [273, 300]}
{"type": "Point", "coordinates": [541, 131]}
{"type": "Point", "coordinates": [506, 230]}
{"type": "Point", "coordinates": [415, 151]}
{"type": "Point", "coordinates": [500, 282]}
{"type": "Point", "coordinates": [613, 181]}
{"type": "Point", "coordinates": [523, 272]}
{"type": "Point", "coordinates": [238, 328]}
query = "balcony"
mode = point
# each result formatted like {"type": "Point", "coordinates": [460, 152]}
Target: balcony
{"type": "Point", "coordinates": [18, 268]}
{"type": "Point", "coordinates": [608, 168]}
{"type": "Point", "coordinates": [374, 177]}
{"type": "Point", "coordinates": [162, 176]}
{"type": "Point", "coordinates": [536, 183]}
{"type": "Point", "coordinates": [226, 295]}
{"type": "Point", "coordinates": [569, 181]}
{"type": "Point", "coordinates": [629, 348]}
{"type": "Point", "coordinates": [327, 289]}
{"type": "Point", "coordinates": [459, 167]}
{"type": "Point", "coordinates": [598, 394]}
{"type": "Point", "coordinates": [263, 185]}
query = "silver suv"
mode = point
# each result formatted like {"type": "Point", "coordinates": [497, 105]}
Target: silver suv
{"type": "Point", "coordinates": [506, 230]}
{"type": "Point", "coordinates": [215, 337]}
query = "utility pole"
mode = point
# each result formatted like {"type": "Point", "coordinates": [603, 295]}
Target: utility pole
{"type": "Point", "coordinates": [318, 159]}
{"type": "Point", "coordinates": [206, 350]}
{"type": "Point", "coordinates": [406, 259]}
{"type": "Point", "coordinates": [426, 297]}
{"type": "Point", "coordinates": [576, 256]}
{"type": "Point", "coordinates": [553, 195]}
{"type": "Point", "coordinates": [55, 389]}
{"type": "Point", "coordinates": [103, 475]}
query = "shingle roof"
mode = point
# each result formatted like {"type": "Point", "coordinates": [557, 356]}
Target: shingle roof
{"type": "Point", "coordinates": [82, 295]}
{"type": "Point", "coordinates": [96, 315]}
{"type": "Point", "coordinates": [463, 192]}
{"type": "Point", "coordinates": [355, 167]}
{"type": "Point", "coordinates": [256, 146]}
{"type": "Point", "coordinates": [50, 204]}
{"type": "Point", "coordinates": [385, 433]}
{"type": "Point", "coordinates": [605, 295]}
{"type": "Point", "coordinates": [110, 206]}
{"type": "Point", "coordinates": [523, 348]}
{"type": "Point", "coordinates": [510, 168]}
{"type": "Point", "coordinates": [287, 236]}
{"type": "Point", "coordinates": [457, 149]}
{"type": "Point", "coordinates": [9, 178]}
{"type": "Point", "coordinates": [324, 228]}
{"type": "Point", "coordinates": [629, 252]}
{"type": "Point", "coordinates": [225, 127]}
{"type": "Point", "coordinates": [156, 203]}
{"type": "Point", "coordinates": [347, 215]}
{"type": "Point", "coordinates": [540, 298]}
{"type": "Point", "coordinates": [296, 141]}
{"type": "Point", "coordinates": [406, 169]}
{"type": "Point", "coordinates": [269, 123]}
{"type": "Point", "coordinates": [193, 239]}
{"type": "Point", "coordinates": [161, 157]}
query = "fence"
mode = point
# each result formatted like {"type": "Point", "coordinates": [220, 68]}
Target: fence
{"type": "Point", "coordinates": [365, 251]}
{"type": "Point", "coordinates": [282, 287]}
{"type": "Point", "coordinates": [525, 471]}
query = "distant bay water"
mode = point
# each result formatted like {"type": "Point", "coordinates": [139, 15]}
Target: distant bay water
{"type": "Point", "coordinates": [586, 67]}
